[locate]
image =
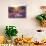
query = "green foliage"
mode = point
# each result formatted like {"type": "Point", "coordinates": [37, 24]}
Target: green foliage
{"type": "Point", "coordinates": [11, 31]}
{"type": "Point", "coordinates": [41, 17]}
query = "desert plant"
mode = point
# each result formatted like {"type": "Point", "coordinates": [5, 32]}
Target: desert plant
{"type": "Point", "coordinates": [10, 31]}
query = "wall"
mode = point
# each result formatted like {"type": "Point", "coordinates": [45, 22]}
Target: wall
{"type": "Point", "coordinates": [25, 26]}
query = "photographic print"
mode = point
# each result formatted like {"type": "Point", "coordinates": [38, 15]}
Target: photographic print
{"type": "Point", "coordinates": [17, 12]}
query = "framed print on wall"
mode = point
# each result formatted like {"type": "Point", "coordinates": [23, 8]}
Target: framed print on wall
{"type": "Point", "coordinates": [17, 12]}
